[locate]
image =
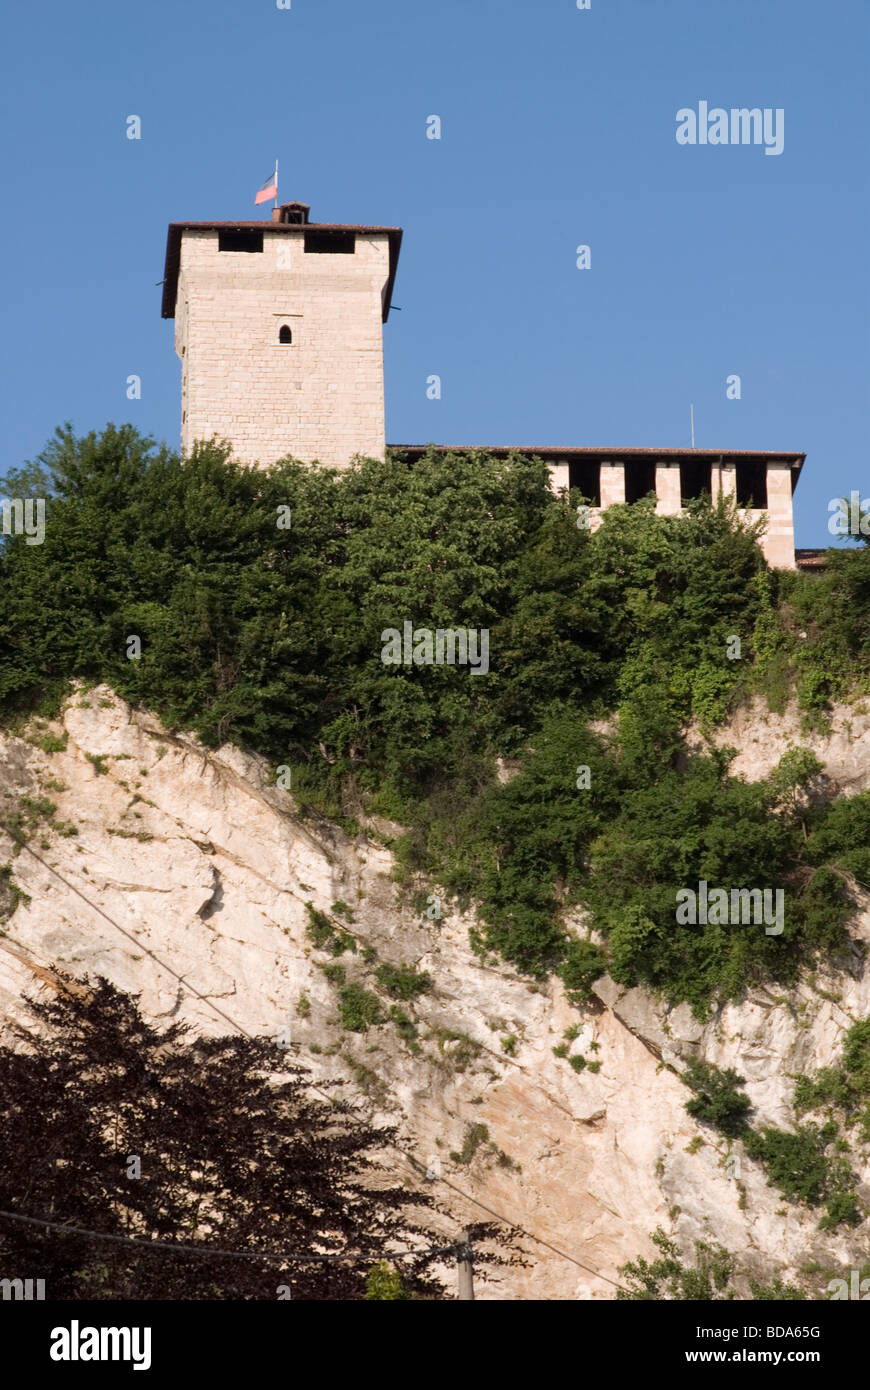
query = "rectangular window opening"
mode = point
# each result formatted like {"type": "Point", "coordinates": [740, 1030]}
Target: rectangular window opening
{"type": "Point", "coordinates": [640, 479]}
{"type": "Point", "coordinates": [695, 479]}
{"type": "Point", "coordinates": [239, 240]}
{"type": "Point", "coordinates": [585, 475]}
{"type": "Point", "coordinates": [752, 486]}
{"type": "Point", "coordinates": [330, 243]}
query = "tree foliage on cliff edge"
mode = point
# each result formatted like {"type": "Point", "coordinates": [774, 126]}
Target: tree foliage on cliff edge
{"type": "Point", "coordinates": [272, 637]}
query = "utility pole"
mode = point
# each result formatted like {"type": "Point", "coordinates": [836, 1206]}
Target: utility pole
{"type": "Point", "coordinates": [692, 422]}
{"type": "Point", "coordinates": [465, 1268]}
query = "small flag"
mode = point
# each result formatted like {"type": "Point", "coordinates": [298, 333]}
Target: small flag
{"type": "Point", "coordinates": [269, 189]}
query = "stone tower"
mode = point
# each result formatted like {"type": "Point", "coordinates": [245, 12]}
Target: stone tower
{"type": "Point", "coordinates": [278, 325]}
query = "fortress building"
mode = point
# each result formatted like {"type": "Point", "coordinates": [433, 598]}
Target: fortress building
{"type": "Point", "coordinates": [763, 483]}
{"type": "Point", "coordinates": [278, 326]}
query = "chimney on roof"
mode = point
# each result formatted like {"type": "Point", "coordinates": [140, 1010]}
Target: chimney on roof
{"type": "Point", "coordinates": [291, 212]}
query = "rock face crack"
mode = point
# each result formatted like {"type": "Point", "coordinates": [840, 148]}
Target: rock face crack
{"type": "Point", "coordinates": [122, 887]}
{"type": "Point", "coordinates": [216, 901]}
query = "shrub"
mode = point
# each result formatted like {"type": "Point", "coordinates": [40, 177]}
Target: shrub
{"type": "Point", "coordinates": [717, 1101]}
{"type": "Point", "coordinates": [475, 1135]}
{"type": "Point", "coordinates": [360, 1009]}
{"type": "Point", "coordinates": [582, 963]}
{"type": "Point", "coordinates": [324, 935]}
{"type": "Point", "coordinates": [671, 1278]}
{"type": "Point", "coordinates": [403, 981]}
{"type": "Point", "coordinates": [668, 1278]}
{"type": "Point", "coordinates": [405, 1027]}
{"type": "Point", "coordinates": [319, 928]}
{"type": "Point", "coordinates": [844, 1088]}
{"type": "Point", "coordinates": [795, 1162]}
{"type": "Point", "coordinates": [385, 1284]}
{"type": "Point", "coordinates": [799, 1166]}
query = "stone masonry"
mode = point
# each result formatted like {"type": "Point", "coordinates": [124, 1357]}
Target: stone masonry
{"type": "Point", "coordinates": [318, 396]}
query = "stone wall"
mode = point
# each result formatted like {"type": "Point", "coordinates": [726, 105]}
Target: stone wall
{"type": "Point", "coordinates": [777, 542]}
{"type": "Point", "coordinates": [320, 397]}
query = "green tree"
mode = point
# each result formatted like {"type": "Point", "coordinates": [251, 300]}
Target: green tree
{"type": "Point", "coordinates": [717, 1100]}
{"type": "Point", "coordinates": [669, 1279]}
{"type": "Point", "coordinates": [603, 647]}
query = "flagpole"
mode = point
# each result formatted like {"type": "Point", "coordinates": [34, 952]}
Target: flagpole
{"type": "Point", "coordinates": [276, 183]}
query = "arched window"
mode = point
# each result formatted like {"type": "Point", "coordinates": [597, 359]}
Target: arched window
{"type": "Point", "coordinates": [284, 334]}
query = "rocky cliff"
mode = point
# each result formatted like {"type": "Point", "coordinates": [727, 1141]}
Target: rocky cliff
{"type": "Point", "coordinates": [208, 869]}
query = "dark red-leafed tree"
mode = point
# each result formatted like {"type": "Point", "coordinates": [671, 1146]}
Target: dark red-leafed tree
{"type": "Point", "coordinates": [235, 1152]}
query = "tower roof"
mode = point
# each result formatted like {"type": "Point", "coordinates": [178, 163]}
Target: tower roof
{"type": "Point", "coordinates": [177, 230]}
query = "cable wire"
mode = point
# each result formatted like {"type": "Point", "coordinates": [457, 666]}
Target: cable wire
{"type": "Point", "coordinates": [415, 1163]}
{"type": "Point", "coordinates": [284, 1256]}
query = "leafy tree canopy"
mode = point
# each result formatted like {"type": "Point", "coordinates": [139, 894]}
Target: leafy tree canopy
{"type": "Point", "coordinates": [235, 1153]}
{"type": "Point", "coordinates": [603, 647]}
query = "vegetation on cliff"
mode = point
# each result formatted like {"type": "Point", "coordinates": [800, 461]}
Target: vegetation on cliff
{"type": "Point", "coordinates": [260, 600]}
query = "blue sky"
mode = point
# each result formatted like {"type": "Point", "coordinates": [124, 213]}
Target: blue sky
{"type": "Point", "coordinates": [558, 130]}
